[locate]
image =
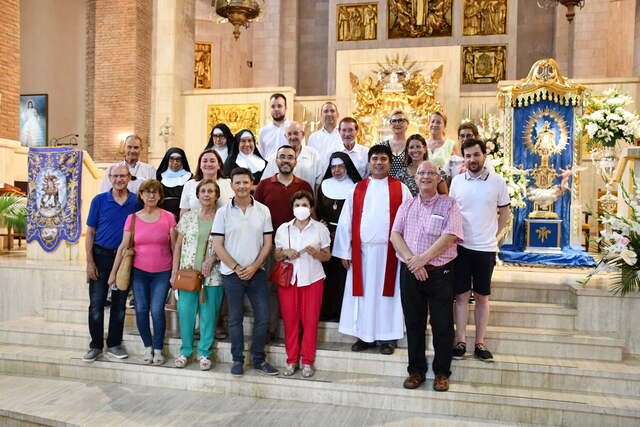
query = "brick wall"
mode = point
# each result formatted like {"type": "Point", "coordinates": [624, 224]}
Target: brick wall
{"type": "Point", "coordinates": [9, 69]}
{"type": "Point", "coordinates": [121, 74]}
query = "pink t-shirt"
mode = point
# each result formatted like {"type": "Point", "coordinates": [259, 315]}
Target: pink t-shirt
{"type": "Point", "coordinates": [153, 242]}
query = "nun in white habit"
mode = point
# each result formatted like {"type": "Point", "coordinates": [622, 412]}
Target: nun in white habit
{"type": "Point", "coordinates": [246, 155]}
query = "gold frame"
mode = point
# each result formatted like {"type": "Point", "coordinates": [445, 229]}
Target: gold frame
{"type": "Point", "coordinates": [352, 5]}
{"type": "Point", "coordinates": [463, 5]}
{"type": "Point", "coordinates": [416, 38]}
{"type": "Point", "coordinates": [528, 234]}
{"type": "Point", "coordinates": [195, 62]}
{"type": "Point", "coordinates": [472, 48]}
{"type": "Point", "coordinates": [241, 111]}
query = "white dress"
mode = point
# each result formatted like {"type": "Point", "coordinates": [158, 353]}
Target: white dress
{"type": "Point", "coordinates": [372, 316]}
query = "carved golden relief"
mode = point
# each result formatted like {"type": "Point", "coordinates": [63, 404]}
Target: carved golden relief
{"type": "Point", "coordinates": [202, 68]}
{"type": "Point", "coordinates": [483, 64]}
{"type": "Point", "coordinates": [236, 116]}
{"type": "Point", "coordinates": [394, 85]}
{"type": "Point", "coordinates": [357, 22]}
{"type": "Point", "coordinates": [484, 17]}
{"type": "Point", "coordinates": [419, 18]}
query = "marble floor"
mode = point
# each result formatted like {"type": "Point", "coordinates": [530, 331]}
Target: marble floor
{"type": "Point", "coordinates": [28, 400]}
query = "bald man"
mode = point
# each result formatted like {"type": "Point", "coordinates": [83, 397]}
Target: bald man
{"type": "Point", "coordinates": [308, 165]}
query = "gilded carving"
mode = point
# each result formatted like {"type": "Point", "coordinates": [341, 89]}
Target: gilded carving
{"type": "Point", "coordinates": [357, 22]}
{"type": "Point", "coordinates": [236, 116]}
{"type": "Point", "coordinates": [395, 84]}
{"type": "Point", "coordinates": [202, 68]}
{"type": "Point", "coordinates": [483, 64]}
{"type": "Point", "coordinates": [484, 17]}
{"type": "Point", "coordinates": [419, 18]}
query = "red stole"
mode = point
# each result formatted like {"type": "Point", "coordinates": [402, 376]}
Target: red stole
{"type": "Point", "coordinates": [395, 200]}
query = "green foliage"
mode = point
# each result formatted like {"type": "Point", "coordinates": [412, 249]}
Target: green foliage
{"type": "Point", "coordinates": [13, 212]}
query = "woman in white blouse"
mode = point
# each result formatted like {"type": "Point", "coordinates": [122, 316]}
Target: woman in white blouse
{"type": "Point", "coordinates": [209, 167]}
{"type": "Point", "coordinates": [305, 243]}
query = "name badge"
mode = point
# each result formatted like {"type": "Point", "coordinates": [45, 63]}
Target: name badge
{"type": "Point", "coordinates": [436, 216]}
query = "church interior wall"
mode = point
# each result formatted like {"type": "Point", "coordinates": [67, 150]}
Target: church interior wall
{"type": "Point", "coordinates": [52, 60]}
{"type": "Point", "coordinates": [313, 39]}
{"type": "Point", "coordinates": [535, 35]}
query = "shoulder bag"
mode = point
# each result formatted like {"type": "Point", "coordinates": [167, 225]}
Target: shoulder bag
{"type": "Point", "coordinates": [188, 279]}
{"type": "Point", "coordinates": [283, 270]}
{"type": "Point", "coordinates": [123, 275]}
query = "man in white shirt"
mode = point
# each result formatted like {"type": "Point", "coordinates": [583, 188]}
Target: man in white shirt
{"type": "Point", "coordinates": [272, 136]}
{"type": "Point", "coordinates": [139, 171]}
{"type": "Point", "coordinates": [308, 165]}
{"type": "Point", "coordinates": [348, 129]}
{"type": "Point", "coordinates": [484, 201]}
{"type": "Point", "coordinates": [327, 140]}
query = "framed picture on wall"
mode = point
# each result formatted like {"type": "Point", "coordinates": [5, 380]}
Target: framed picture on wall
{"type": "Point", "coordinates": [34, 120]}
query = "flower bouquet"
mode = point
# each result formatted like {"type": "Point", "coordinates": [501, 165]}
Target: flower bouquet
{"type": "Point", "coordinates": [515, 178]}
{"type": "Point", "coordinates": [621, 244]}
{"type": "Point", "coordinates": [608, 122]}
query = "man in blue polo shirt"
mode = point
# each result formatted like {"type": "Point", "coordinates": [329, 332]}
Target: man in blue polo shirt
{"type": "Point", "coordinates": [107, 214]}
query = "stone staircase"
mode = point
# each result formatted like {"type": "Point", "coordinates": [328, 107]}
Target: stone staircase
{"type": "Point", "coordinates": [545, 371]}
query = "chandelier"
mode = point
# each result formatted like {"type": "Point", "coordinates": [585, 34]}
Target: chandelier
{"type": "Point", "coordinates": [569, 4]}
{"type": "Point", "coordinates": [240, 13]}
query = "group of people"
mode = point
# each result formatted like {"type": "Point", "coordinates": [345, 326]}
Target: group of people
{"type": "Point", "coordinates": [379, 239]}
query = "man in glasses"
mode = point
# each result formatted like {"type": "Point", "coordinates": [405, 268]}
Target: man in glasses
{"type": "Point", "coordinates": [139, 171]}
{"type": "Point", "coordinates": [105, 223]}
{"type": "Point", "coordinates": [424, 235]}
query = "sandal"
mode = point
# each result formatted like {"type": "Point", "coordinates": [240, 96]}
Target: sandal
{"type": "Point", "coordinates": [158, 358]}
{"type": "Point", "coordinates": [205, 363]}
{"type": "Point", "coordinates": [148, 355]}
{"type": "Point", "coordinates": [221, 334]}
{"type": "Point", "coordinates": [180, 362]}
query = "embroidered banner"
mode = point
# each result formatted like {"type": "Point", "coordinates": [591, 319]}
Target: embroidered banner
{"type": "Point", "coordinates": [53, 207]}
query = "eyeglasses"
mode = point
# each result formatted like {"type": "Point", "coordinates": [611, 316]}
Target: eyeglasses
{"type": "Point", "coordinates": [428, 173]}
{"type": "Point", "coordinates": [397, 121]}
{"type": "Point", "coordinates": [150, 192]}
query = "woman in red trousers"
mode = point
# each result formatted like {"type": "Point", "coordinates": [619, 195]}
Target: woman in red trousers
{"type": "Point", "coordinates": [305, 243]}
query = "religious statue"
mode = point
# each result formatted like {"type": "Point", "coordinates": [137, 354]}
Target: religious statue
{"type": "Point", "coordinates": [483, 64]}
{"type": "Point", "coordinates": [396, 85]}
{"type": "Point", "coordinates": [484, 17]}
{"type": "Point", "coordinates": [202, 68]}
{"type": "Point", "coordinates": [419, 18]}
{"type": "Point", "coordinates": [236, 116]}
{"type": "Point", "coordinates": [356, 22]}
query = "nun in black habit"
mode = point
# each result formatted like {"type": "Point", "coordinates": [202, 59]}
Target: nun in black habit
{"type": "Point", "coordinates": [337, 184]}
{"type": "Point", "coordinates": [245, 154]}
{"type": "Point", "coordinates": [173, 173]}
{"type": "Point", "coordinates": [221, 139]}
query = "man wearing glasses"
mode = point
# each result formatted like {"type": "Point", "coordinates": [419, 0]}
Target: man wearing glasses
{"type": "Point", "coordinates": [424, 235]}
{"type": "Point", "coordinates": [107, 215]}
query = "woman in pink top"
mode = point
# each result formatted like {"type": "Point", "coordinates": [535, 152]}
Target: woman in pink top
{"type": "Point", "coordinates": [153, 240]}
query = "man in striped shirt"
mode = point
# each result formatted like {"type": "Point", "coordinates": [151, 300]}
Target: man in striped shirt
{"type": "Point", "coordinates": [424, 234]}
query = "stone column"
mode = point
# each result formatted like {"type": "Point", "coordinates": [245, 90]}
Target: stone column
{"type": "Point", "coordinates": [173, 61]}
{"type": "Point", "coordinates": [9, 69]}
{"type": "Point", "coordinates": [119, 36]}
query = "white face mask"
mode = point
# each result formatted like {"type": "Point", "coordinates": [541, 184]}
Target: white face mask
{"type": "Point", "coordinates": [301, 213]}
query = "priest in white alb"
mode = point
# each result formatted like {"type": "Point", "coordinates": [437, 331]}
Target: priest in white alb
{"type": "Point", "coordinates": [371, 307]}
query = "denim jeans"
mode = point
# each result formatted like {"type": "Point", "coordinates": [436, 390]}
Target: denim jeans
{"type": "Point", "coordinates": [151, 294]}
{"type": "Point", "coordinates": [256, 289]}
{"type": "Point", "coordinates": [98, 290]}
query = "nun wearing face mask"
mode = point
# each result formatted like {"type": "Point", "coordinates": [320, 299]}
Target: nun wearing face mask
{"type": "Point", "coordinates": [173, 173]}
{"type": "Point", "coordinates": [305, 243]}
{"type": "Point", "coordinates": [221, 140]}
{"type": "Point", "coordinates": [338, 183]}
{"type": "Point", "coordinates": [245, 154]}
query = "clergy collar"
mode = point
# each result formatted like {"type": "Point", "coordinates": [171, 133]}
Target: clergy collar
{"type": "Point", "coordinates": [233, 201]}
{"type": "Point", "coordinates": [483, 175]}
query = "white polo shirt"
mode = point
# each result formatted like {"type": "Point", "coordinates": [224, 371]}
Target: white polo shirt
{"type": "Point", "coordinates": [271, 137]}
{"type": "Point", "coordinates": [479, 199]}
{"type": "Point", "coordinates": [243, 231]}
{"type": "Point", "coordinates": [325, 143]}
{"type": "Point", "coordinates": [306, 269]}
{"type": "Point", "coordinates": [308, 167]}
{"type": "Point", "coordinates": [359, 156]}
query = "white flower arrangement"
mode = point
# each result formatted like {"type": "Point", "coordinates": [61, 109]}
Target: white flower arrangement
{"type": "Point", "coordinates": [515, 178]}
{"type": "Point", "coordinates": [609, 122]}
{"type": "Point", "coordinates": [621, 244]}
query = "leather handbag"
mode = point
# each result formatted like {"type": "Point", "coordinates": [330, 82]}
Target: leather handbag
{"type": "Point", "coordinates": [282, 271]}
{"type": "Point", "coordinates": [188, 279]}
{"type": "Point", "coordinates": [123, 275]}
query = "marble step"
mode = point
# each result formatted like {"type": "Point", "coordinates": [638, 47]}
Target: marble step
{"type": "Point", "coordinates": [37, 400]}
{"type": "Point", "coordinates": [553, 373]}
{"type": "Point", "coordinates": [503, 313]}
{"type": "Point", "coordinates": [492, 402]}
{"type": "Point", "coordinates": [501, 340]}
